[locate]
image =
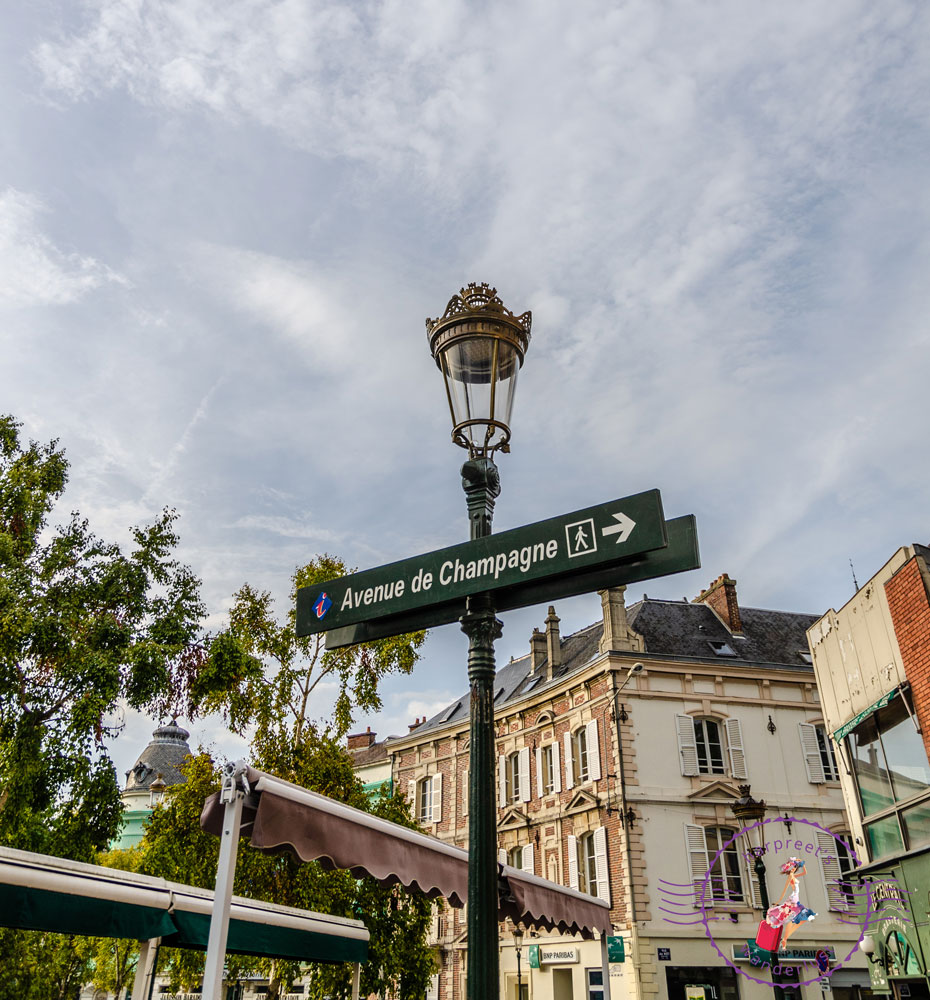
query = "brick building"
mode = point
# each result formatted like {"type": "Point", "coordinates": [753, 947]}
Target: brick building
{"type": "Point", "coordinates": [872, 660]}
{"type": "Point", "coordinates": [619, 781]}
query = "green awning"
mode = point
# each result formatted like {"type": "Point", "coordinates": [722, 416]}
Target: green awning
{"type": "Point", "coordinates": [42, 893]}
{"type": "Point", "coordinates": [848, 727]}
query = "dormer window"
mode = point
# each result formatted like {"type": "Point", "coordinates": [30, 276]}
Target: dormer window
{"type": "Point", "coordinates": [806, 656]}
{"type": "Point", "coordinates": [722, 649]}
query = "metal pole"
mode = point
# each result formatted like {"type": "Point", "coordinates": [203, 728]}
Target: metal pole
{"type": "Point", "coordinates": [233, 797]}
{"type": "Point", "coordinates": [145, 968]}
{"type": "Point", "coordinates": [481, 482]}
{"type": "Point", "coordinates": [519, 974]}
{"type": "Point", "coordinates": [605, 966]}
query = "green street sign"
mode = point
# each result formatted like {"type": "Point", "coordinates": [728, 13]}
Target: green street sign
{"type": "Point", "coordinates": [593, 538]}
{"type": "Point", "coordinates": [679, 555]}
{"type": "Point", "coordinates": [615, 949]}
{"type": "Point", "coordinates": [534, 956]}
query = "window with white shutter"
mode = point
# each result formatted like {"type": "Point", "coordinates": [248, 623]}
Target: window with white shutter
{"type": "Point", "coordinates": [698, 863]}
{"type": "Point", "coordinates": [432, 990]}
{"type": "Point", "coordinates": [556, 768]}
{"type": "Point", "coordinates": [832, 873]}
{"type": "Point", "coordinates": [600, 863]}
{"type": "Point", "coordinates": [735, 748]}
{"type": "Point", "coordinates": [502, 856]}
{"type": "Point", "coordinates": [594, 751]}
{"type": "Point", "coordinates": [687, 746]}
{"type": "Point", "coordinates": [539, 773]}
{"type": "Point", "coordinates": [755, 896]}
{"type": "Point", "coordinates": [569, 767]}
{"type": "Point", "coordinates": [525, 794]}
{"type": "Point", "coordinates": [465, 792]}
{"type": "Point", "coordinates": [572, 862]}
{"type": "Point", "coordinates": [811, 751]}
{"type": "Point", "coordinates": [528, 859]}
{"type": "Point", "coordinates": [437, 798]}
{"type": "Point", "coordinates": [412, 795]}
{"type": "Point", "coordinates": [502, 781]}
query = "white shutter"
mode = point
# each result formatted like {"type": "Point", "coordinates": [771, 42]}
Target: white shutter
{"type": "Point", "coordinates": [556, 767]}
{"type": "Point", "coordinates": [572, 862]}
{"type": "Point", "coordinates": [600, 863]}
{"type": "Point", "coordinates": [436, 810]}
{"type": "Point", "coordinates": [539, 773]}
{"type": "Point", "coordinates": [687, 745]}
{"type": "Point", "coordinates": [569, 768]}
{"type": "Point", "coordinates": [698, 863]}
{"type": "Point", "coordinates": [525, 792]}
{"type": "Point", "coordinates": [502, 856]}
{"type": "Point", "coordinates": [811, 751]}
{"type": "Point", "coordinates": [465, 792]}
{"type": "Point", "coordinates": [527, 865]}
{"type": "Point", "coordinates": [432, 991]}
{"type": "Point", "coordinates": [412, 796]}
{"type": "Point", "coordinates": [735, 747]}
{"type": "Point", "coordinates": [502, 781]}
{"type": "Point", "coordinates": [755, 897]}
{"type": "Point", "coordinates": [832, 873]}
{"type": "Point", "coordinates": [594, 751]}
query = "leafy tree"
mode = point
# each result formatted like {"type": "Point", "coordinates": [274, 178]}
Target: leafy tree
{"type": "Point", "coordinates": [83, 626]}
{"type": "Point", "coordinates": [261, 674]}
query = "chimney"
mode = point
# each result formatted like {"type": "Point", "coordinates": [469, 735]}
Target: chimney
{"type": "Point", "coordinates": [417, 722]}
{"type": "Point", "coordinates": [360, 741]}
{"type": "Point", "coordinates": [618, 635]}
{"type": "Point", "coordinates": [553, 644]}
{"type": "Point", "coordinates": [720, 597]}
{"type": "Point", "coordinates": [537, 650]}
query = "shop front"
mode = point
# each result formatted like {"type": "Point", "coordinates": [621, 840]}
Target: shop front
{"type": "Point", "coordinates": [897, 939]}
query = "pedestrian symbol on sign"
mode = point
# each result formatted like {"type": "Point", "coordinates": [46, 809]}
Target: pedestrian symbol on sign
{"type": "Point", "coordinates": [580, 538]}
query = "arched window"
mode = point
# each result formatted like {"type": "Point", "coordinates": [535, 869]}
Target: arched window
{"type": "Point", "coordinates": [587, 863]}
{"type": "Point", "coordinates": [725, 884]}
{"type": "Point", "coordinates": [425, 798]}
{"type": "Point", "coordinates": [710, 746]}
{"type": "Point", "coordinates": [512, 778]}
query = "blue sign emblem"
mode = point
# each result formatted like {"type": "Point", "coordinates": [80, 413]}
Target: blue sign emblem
{"type": "Point", "coordinates": [323, 604]}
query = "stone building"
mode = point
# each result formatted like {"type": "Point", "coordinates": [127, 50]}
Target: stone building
{"type": "Point", "coordinates": [872, 661]}
{"type": "Point", "coordinates": [157, 767]}
{"type": "Point", "coordinates": [620, 781]}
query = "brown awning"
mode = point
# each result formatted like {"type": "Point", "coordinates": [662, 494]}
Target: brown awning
{"type": "Point", "coordinates": [280, 816]}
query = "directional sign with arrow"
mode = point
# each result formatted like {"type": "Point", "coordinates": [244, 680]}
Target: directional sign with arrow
{"type": "Point", "coordinates": [547, 551]}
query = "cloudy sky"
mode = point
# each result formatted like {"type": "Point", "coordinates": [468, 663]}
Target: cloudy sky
{"type": "Point", "coordinates": [222, 225]}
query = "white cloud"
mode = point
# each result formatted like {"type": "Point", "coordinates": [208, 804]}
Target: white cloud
{"type": "Point", "coordinates": [33, 271]}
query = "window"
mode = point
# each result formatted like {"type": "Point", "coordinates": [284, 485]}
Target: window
{"type": "Point", "coordinates": [582, 755]}
{"type": "Point", "coordinates": [819, 758]}
{"type": "Point", "coordinates": [521, 858]}
{"type": "Point", "coordinates": [806, 656]}
{"type": "Point", "coordinates": [722, 649]}
{"type": "Point", "coordinates": [548, 778]}
{"type": "Point", "coordinates": [725, 882]}
{"type": "Point", "coordinates": [893, 778]}
{"type": "Point", "coordinates": [595, 983]}
{"type": "Point", "coordinates": [836, 864]}
{"type": "Point", "coordinates": [587, 863]}
{"type": "Point", "coordinates": [514, 778]}
{"type": "Point", "coordinates": [706, 746]}
{"type": "Point", "coordinates": [425, 798]}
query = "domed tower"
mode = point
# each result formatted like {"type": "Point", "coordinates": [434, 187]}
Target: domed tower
{"type": "Point", "coordinates": [157, 767]}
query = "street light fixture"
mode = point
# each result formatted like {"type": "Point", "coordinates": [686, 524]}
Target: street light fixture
{"type": "Point", "coordinates": [479, 345]}
{"type": "Point", "coordinates": [518, 944]}
{"type": "Point", "coordinates": [748, 811]}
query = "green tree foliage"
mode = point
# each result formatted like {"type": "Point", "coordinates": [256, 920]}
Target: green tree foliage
{"type": "Point", "coordinates": [261, 675]}
{"type": "Point", "coordinates": [175, 847]}
{"type": "Point", "coordinates": [83, 626]}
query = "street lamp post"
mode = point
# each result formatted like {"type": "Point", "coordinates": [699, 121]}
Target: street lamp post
{"type": "Point", "coordinates": [518, 944]}
{"type": "Point", "coordinates": [747, 810]}
{"type": "Point", "coordinates": [479, 346]}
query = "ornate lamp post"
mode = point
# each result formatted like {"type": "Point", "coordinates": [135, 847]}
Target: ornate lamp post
{"type": "Point", "coordinates": [748, 811]}
{"type": "Point", "coordinates": [518, 944]}
{"type": "Point", "coordinates": [479, 346]}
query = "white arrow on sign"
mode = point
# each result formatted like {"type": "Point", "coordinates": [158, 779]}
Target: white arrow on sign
{"type": "Point", "coordinates": [621, 529]}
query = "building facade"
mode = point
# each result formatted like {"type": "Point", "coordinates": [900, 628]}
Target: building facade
{"type": "Point", "coordinates": [620, 781]}
{"type": "Point", "coordinates": [872, 661]}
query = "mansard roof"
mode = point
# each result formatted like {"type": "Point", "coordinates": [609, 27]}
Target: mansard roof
{"type": "Point", "coordinates": [670, 629]}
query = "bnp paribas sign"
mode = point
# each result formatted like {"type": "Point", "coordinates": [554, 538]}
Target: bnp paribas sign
{"type": "Point", "coordinates": [561, 556]}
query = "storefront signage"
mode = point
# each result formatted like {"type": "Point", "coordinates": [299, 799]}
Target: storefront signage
{"type": "Point", "coordinates": [741, 954]}
{"type": "Point", "coordinates": [664, 954]}
{"type": "Point", "coordinates": [616, 951]}
{"type": "Point", "coordinates": [557, 956]}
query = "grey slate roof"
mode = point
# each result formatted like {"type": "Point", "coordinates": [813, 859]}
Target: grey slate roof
{"type": "Point", "coordinates": [161, 757]}
{"type": "Point", "coordinates": [668, 628]}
